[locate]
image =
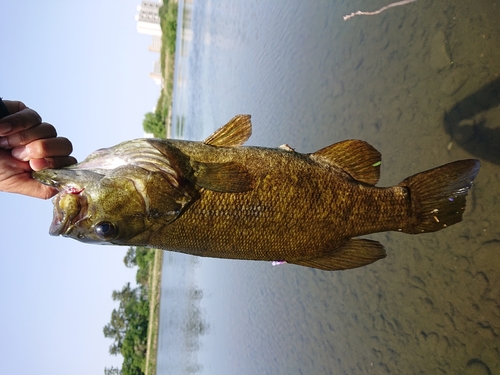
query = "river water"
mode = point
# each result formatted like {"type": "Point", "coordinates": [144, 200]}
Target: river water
{"type": "Point", "coordinates": [420, 82]}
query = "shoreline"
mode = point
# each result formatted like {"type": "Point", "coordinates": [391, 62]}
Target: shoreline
{"type": "Point", "coordinates": [164, 106]}
{"type": "Point", "coordinates": [168, 15]}
{"type": "Point", "coordinates": [154, 310]}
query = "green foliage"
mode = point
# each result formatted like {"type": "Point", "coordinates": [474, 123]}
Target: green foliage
{"type": "Point", "coordinates": [144, 258]}
{"type": "Point", "coordinates": [154, 123]}
{"type": "Point", "coordinates": [112, 371]}
{"type": "Point", "coordinates": [130, 258]}
{"type": "Point", "coordinates": [128, 327]}
{"type": "Point", "coordinates": [168, 23]}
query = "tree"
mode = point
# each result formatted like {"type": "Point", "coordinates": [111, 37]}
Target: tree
{"type": "Point", "coordinates": [154, 123]}
{"type": "Point", "coordinates": [130, 258]}
{"type": "Point", "coordinates": [128, 326]}
{"type": "Point", "coordinates": [143, 259]}
{"type": "Point", "coordinates": [116, 329]}
{"type": "Point", "coordinates": [112, 371]}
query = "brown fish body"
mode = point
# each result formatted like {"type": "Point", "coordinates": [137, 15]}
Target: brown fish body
{"type": "Point", "coordinates": [298, 207]}
{"type": "Point", "coordinates": [217, 199]}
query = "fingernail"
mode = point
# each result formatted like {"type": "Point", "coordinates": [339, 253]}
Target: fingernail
{"type": "Point", "coordinates": [5, 128]}
{"type": "Point", "coordinates": [20, 153]}
{"type": "Point", "coordinates": [4, 143]}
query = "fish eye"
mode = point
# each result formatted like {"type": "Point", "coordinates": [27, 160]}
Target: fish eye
{"type": "Point", "coordinates": [105, 230]}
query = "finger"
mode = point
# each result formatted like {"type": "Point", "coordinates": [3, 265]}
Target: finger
{"type": "Point", "coordinates": [44, 130]}
{"type": "Point", "coordinates": [43, 148]}
{"type": "Point", "coordinates": [53, 163]}
{"type": "Point", "coordinates": [19, 119]}
{"type": "Point", "coordinates": [26, 185]}
{"type": "Point", "coordinates": [4, 111]}
{"type": "Point", "coordinates": [36, 189]}
{"type": "Point", "coordinates": [44, 191]}
{"type": "Point", "coordinates": [14, 106]}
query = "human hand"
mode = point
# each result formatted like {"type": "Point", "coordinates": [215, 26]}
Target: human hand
{"type": "Point", "coordinates": [27, 144]}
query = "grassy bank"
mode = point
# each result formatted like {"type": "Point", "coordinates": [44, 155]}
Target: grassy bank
{"type": "Point", "coordinates": [154, 312]}
{"type": "Point", "coordinates": [168, 21]}
{"type": "Point", "coordinates": [130, 320]}
{"type": "Point", "coordinates": [168, 16]}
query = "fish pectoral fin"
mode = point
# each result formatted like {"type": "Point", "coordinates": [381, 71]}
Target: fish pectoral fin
{"type": "Point", "coordinates": [354, 253]}
{"type": "Point", "coordinates": [233, 134]}
{"type": "Point", "coordinates": [223, 177]}
{"type": "Point", "coordinates": [358, 158]}
{"type": "Point", "coordinates": [163, 200]}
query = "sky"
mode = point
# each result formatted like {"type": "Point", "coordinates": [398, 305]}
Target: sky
{"type": "Point", "coordinates": [84, 68]}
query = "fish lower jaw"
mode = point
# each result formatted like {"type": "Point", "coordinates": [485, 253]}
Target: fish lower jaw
{"type": "Point", "coordinates": [57, 228]}
{"type": "Point", "coordinates": [70, 208]}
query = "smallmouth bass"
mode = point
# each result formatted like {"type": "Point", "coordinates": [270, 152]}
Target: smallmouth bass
{"type": "Point", "coordinates": [219, 199]}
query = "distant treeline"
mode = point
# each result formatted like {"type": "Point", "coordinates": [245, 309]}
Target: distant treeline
{"type": "Point", "coordinates": [128, 327]}
{"type": "Point", "coordinates": [154, 122]}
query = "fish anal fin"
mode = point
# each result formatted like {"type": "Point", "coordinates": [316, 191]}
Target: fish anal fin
{"type": "Point", "coordinates": [358, 158]}
{"type": "Point", "coordinates": [354, 253]}
{"type": "Point", "coordinates": [223, 177]}
{"type": "Point", "coordinates": [233, 134]}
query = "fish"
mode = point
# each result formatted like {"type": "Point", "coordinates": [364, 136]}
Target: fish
{"type": "Point", "coordinates": [220, 199]}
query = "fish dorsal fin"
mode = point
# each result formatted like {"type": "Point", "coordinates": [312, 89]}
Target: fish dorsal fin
{"type": "Point", "coordinates": [353, 254]}
{"type": "Point", "coordinates": [233, 134]}
{"type": "Point", "coordinates": [358, 158]}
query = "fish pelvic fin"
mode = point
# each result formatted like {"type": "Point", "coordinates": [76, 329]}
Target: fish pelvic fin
{"type": "Point", "coordinates": [437, 196]}
{"type": "Point", "coordinates": [358, 158]}
{"type": "Point", "coordinates": [353, 254]}
{"type": "Point", "coordinates": [235, 133]}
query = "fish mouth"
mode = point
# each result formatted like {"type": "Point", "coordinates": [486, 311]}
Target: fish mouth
{"type": "Point", "coordinates": [70, 207]}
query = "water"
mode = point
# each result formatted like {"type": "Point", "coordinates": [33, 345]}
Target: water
{"type": "Point", "coordinates": [420, 83]}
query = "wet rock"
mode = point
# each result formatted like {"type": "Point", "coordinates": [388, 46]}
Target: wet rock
{"type": "Point", "coordinates": [439, 56]}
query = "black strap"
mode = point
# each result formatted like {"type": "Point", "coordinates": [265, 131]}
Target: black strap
{"type": "Point", "coordinates": [3, 109]}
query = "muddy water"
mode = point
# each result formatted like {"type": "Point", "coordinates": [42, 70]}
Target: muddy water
{"type": "Point", "coordinates": [421, 83]}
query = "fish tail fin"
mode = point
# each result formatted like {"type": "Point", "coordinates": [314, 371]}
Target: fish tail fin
{"type": "Point", "coordinates": [437, 196]}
